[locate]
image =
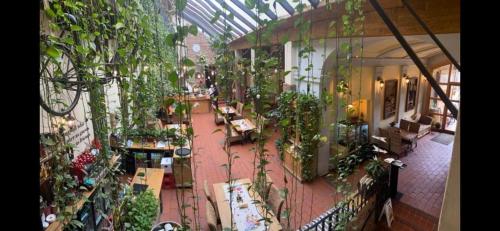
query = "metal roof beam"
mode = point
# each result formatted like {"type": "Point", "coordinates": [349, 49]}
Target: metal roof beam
{"type": "Point", "coordinates": [234, 12]}
{"type": "Point", "coordinates": [197, 22]}
{"type": "Point", "coordinates": [188, 11]}
{"type": "Point", "coordinates": [287, 7]}
{"type": "Point", "coordinates": [244, 8]}
{"type": "Point", "coordinates": [218, 26]}
{"type": "Point", "coordinates": [269, 12]}
{"type": "Point", "coordinates": [314, 3]}
{"type": "Point", "coordinates": [205, 16]}
{"type": "Point", "coordinates": [213, 12]}
{"type": "Point", "coordinates": [215, 8]}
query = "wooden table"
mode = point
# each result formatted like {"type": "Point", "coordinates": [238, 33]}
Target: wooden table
{"type": "Point", "coordinates": [153, 178]}
{"type": "Point", "coordinates": [203, 102]}
{"type": "Point", "coordinates": [150, 146]}
{"type": "Point", "coordinates": [225, 210]}
{"type": "Point", "coordinates": [175, 126]}
{"type": "Point", "coordinates": [227, 110]}
{"type": "Point", "coordinates": [248, 125]}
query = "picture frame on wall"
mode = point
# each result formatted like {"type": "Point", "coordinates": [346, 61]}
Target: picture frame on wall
{"type": "Point", "coordinates": [390, 98]}
{"type": "Point", "coordinates": [411, 94]}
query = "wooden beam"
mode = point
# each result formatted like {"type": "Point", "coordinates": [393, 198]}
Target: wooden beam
{"type": "Point", "coordinates": [441, 16]}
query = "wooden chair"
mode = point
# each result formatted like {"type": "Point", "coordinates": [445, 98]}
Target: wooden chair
{"type": "Point", "coordinates": [213, 217]}
{"type": "Point", "coordinates": [234, 136]}
{"type": "Point", "coordinates": [239, 111]}
{"type": "Point", "coordinates": [414, 128]}
{"type": "Point", "coordinates": [218, 118]}
{"type": "Point", "coordinates": [275, 201]}
{"type": "Point", "coordinates": [396, 145]}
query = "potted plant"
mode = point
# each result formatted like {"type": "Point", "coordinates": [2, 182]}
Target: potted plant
{"type": "Point", "coordinates": [437, 125]}
{"type": "Point", "coordinates": [374, 168]}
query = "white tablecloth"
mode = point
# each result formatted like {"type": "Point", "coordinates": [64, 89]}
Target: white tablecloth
{"type": "Point", "coordinates": [245, 219]}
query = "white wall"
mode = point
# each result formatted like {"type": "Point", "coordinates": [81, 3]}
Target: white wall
{"type": "Point", "coordinates": [317, 58]}
{"type": "Point", "coordinates": [83, 134]}
{"type": "Point", "coordinates": [450, 210]}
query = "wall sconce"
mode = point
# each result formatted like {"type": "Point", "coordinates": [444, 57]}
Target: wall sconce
{"type": "Point", "coordinates": [381, 82]}
{"type": "Point", "coordinates": [71, 122]}
{"type": "Point", "coordinates": [407, 79]}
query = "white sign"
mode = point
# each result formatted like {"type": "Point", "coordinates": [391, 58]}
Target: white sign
{"type": "Point", "coordinates": [387, 210]}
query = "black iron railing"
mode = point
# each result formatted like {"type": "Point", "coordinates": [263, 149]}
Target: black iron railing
{"type": "Point", "coordinates": [351, 207]}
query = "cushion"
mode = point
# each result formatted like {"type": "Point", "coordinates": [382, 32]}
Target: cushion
{"type": "Point", "coordinates": [425, 120]}
{"type": "Point", "coordinates": [424, 127]}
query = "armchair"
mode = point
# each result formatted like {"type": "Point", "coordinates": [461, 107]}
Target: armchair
{"type": "Point", "coordinates": [425, 125]}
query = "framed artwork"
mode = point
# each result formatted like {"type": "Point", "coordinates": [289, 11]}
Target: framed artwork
{"type": "Point", "coordinates": [390, 98]}
{"type": "Point", "coordinates": [411, 94]}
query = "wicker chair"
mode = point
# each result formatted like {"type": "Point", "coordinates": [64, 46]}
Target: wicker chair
{"type": "Point", "coordinates": [396, 145]}
{"type": "Point", "coordinates": [404, 124]}
{"type": "Point", "coordinates": [275, 201]}
{"type": "Point", "coordinates": [218, 118]}
{"type": "Point", "coordinates": [239, 112]}
{"type": "Point", "coordinates": [234, 136]}
{"type": "Point", "coordinates": [414, 128]}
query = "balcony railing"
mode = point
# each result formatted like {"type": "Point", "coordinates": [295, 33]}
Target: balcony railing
{"type": "Point", "coordinates": [351, 207]}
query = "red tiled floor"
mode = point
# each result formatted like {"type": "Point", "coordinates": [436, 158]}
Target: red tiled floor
{"type": "Point", "coordinates": [422, 182]}
{"type": "Point", "coordinates": [408, 218]}
{"type": "Point", "coordinates": [209, 158]}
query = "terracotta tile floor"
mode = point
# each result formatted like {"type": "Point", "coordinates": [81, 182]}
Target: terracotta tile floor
{"type": "Point", "coordinates": [208, 159]}
{"type": "Point", "coordinates": [422, 182]}
{"type": "Point", "coordinates": [408, 218]}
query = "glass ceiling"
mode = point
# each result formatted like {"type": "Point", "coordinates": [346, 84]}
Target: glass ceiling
{"type": "Point", "coordinates": [201, 12]}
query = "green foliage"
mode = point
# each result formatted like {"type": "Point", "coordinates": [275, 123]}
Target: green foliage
{"type": "Point", "coordinates": [374, 168]}
{"type": "Point", "coordinates": [309, 113]}
{"type": "Point", "coordinates": [142, 212]}
{"type": "Point", "coordinates": [285, 116]}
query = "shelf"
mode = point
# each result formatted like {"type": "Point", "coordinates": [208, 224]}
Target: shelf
{"type": "Point", "coordinates": [58, 225]}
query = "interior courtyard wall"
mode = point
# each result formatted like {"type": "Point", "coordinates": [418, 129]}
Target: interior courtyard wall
{"type": "Point", "coordinates": [412, 71]}
{"type": "Point", "coordinates": [82, 134]}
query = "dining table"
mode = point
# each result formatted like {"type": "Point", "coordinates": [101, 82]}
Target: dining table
{"type": "Point", "coordinates": [227, 110]}
{"type": "Point", "coordinates": [243, 125]}
{"type": "Point", "coordinates": [153, 178]}
{"type": "Point", "coordinates": [246, 214]}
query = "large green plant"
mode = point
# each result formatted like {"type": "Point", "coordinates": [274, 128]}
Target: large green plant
{"type": "Point", "coordinates": [142, 212]}
{"type": "Point", "coordinates": [285, 117]}
{"type": "Point", "coordinates": [309, 112]}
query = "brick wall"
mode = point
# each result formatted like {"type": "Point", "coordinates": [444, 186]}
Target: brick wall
{"type": "Point", "coordinates": [205, 49]}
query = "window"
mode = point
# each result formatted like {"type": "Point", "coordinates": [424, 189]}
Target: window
{"type": "Point", "coordinates": [448, 78]}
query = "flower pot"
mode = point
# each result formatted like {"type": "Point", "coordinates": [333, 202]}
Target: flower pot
{"type": "Point", "coordinates": [54, 209]}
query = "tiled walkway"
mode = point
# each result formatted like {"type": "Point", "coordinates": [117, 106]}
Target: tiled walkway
{"type": "Point", "coordinates": [209, 159]}
{"type": "Point", "coordinates": [422, 182]}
